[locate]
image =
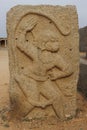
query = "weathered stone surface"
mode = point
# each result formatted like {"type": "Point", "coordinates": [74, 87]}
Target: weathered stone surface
{"type": "Point", "coordinates": [44, 60]}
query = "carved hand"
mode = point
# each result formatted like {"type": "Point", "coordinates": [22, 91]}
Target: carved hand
{"type": "Point", "coordinates": [31, 24]}
{"type": "Point", "coordinates": [52, 75]}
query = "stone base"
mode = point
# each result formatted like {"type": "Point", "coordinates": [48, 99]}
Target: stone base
{"type": "Point", "coordinates": [45, 123]}
{"type": "Point", "coordinates": [54, 124]}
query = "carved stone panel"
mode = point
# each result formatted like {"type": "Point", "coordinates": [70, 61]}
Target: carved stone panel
{"type": "Point", "coordinates": [43, 60]}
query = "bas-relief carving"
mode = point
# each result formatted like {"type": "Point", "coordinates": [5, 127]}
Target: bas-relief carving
{"type": "Point", "coordinates": [40, 44]}
{"type": "Point", "coordinates": [41, 71]}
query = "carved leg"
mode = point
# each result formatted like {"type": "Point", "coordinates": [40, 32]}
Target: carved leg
{"type": "Point", "coordinates": [48, 90]}
{"type": "Point", "coordinates": [28, 86]}
{"type": "Point", "coordinates": [24, 91]}
{"type": "Point", "coordinates": [20, 106]}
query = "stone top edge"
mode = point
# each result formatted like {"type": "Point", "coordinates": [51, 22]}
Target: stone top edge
{"type": "Point", "coordinates": [42, 5]}
{"type": "Point", "coordinates": [18, 7]}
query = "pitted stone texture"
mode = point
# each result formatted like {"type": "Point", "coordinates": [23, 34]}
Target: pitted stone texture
{"type": "Point", "coordinates": [44, 60]}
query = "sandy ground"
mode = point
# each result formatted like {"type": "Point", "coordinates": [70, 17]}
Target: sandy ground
{"type": "Point", "coordinates": [4, 79]}
{"type": "Point", "coordinates": [78, 123]}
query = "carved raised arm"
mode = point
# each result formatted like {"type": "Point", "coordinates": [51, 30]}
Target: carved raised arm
{"type": "Point", "coordinates": [24, 46]}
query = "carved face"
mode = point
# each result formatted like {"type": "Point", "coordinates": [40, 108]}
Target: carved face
{"type": "Point", "coordinates": [44, 35]}
{"type": "Point", "coordinates": [50, 43]}
{"type": "Point", "coordinates": [47, 40]}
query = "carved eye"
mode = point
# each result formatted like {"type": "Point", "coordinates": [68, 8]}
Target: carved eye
{"type": "Point", "coordinates": [70, 49]}
{"type": "Point", "coordinates": [26, 40]}
{"type": "Point", "coordinates": [50, 21]}
{"type": "Point", "coordinates": [16, 38]}
{"type": "Point", "coordinates": [22, 67]}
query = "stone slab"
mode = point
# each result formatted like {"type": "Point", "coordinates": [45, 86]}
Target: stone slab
{"type": "Point", "coordinates": [43, 60]}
